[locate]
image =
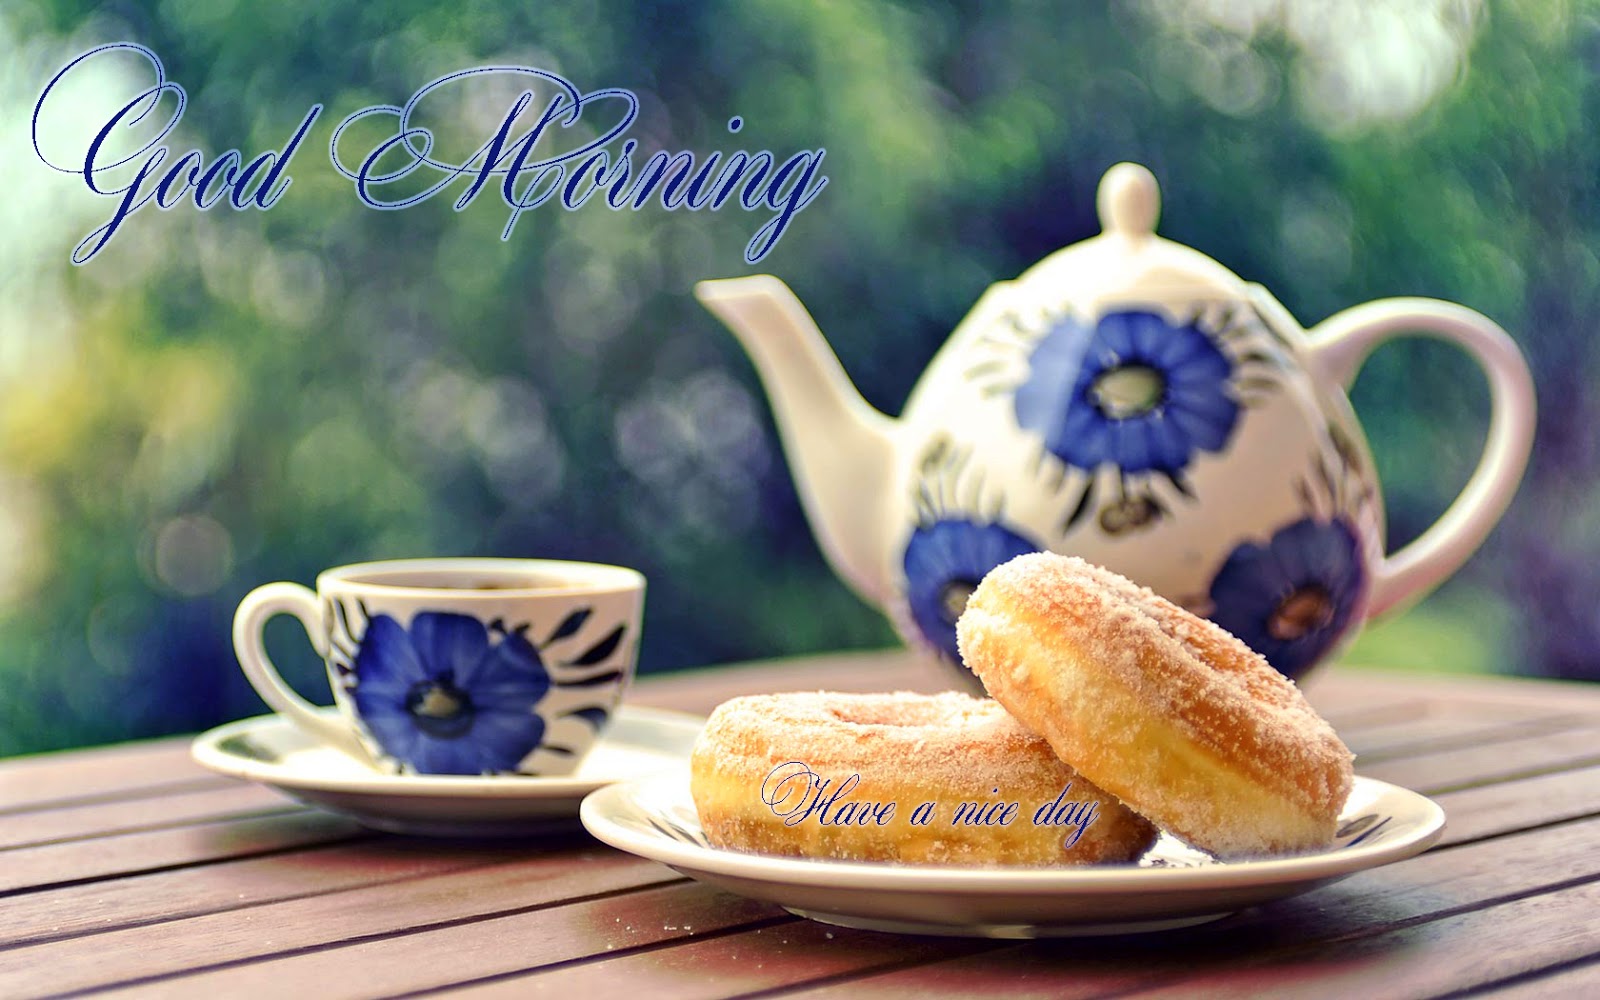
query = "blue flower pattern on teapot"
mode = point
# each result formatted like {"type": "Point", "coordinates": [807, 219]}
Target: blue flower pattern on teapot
{"type": "Point", "coordinates": [1130, 390]}
{"type": "Point", "coordinates": [1135, 394]}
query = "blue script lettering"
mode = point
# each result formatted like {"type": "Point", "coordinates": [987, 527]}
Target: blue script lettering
{"type": "Point", "coordinates": [188, 176]}
{"type": "Point", "coordinates": [534, 167]}
{"type": "Point", "coordinates": [985, 814]}
{"type": "Point", "coordinates": [1079, 815]}
{"type": "Point", "coordinates": [796, 793]}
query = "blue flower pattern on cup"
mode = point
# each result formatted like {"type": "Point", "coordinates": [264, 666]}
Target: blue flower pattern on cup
{"type": "Point", "coordinates": [453, 695]}
{"type": "Point", "coordinates": [1291, 598]}
{"type": "Point", "coordinates": [1133, 390]}
{"type": "Point", "coordinates": [446, 697]}
{"type": "Point", "coordinates": [944, 560]}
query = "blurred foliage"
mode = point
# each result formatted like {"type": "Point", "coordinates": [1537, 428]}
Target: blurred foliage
{"type": "Point", "coordinates": [227, 398]}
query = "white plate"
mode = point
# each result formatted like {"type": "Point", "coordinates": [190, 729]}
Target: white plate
{"type": "Point", "coordinates": [275, 752]}
{"type": "Point", "coordinates": [1172, 886]}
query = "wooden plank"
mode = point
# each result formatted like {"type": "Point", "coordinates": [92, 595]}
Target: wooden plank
{"type": "Point", "coordinates": [1017, 972]}
{"type": "Point", "coordinates": [110, 904]}
{"type": "Point", "coordinates": [449, 952]}
{"type": "Point", "coordinates": [765, 958]}
{"type": "Point", "coordinates": [1579, 980]}
{"type": "Point", "coordinates": [1339, 696]}
{"type": "Point", "coordinates": [1448, 726]}
{"type": "Point", "coordinates": [106, 857]}
{"type": "Point", "coordinates": [1492, 810]}
{"type": "Point", "coordinates": [1370, 716]}
{"type": "Point", "coordinates": [1460, 767]}
{"type": "Point", "coordinates": [1455, 953]}
{"type": "Point", "coordinates": [1376, 686]}
{"type": "Point", "coordinates": [128, 770]}
{"type": "Point", "coordinates": [443, 900]}
{"type": "Point", "coordinates": [231, 800]}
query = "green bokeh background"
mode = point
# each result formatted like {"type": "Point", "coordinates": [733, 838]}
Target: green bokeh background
{"type": "Point", "coordinates": [221, 399]}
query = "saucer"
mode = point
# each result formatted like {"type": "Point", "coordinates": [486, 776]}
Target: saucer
{"type": "Point", "coordinates": [1172, 886]}
{"type": "Point", "coordinates": [273, 751]}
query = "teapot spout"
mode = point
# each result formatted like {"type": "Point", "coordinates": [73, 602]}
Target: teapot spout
{"type": "Point", "coordinates": [840, 448]}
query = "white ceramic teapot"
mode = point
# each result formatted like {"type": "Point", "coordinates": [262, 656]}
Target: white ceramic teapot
{"type": "Point", "coordinates": [1131, 401]}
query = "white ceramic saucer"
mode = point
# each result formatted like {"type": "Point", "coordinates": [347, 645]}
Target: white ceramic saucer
{"type": "Point", "coordinates": [271, 750]}
{"type": "Point", "coordinates": [1172, 886]}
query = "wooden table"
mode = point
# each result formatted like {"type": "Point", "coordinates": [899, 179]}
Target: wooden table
{"type": "Point", "coordinates": [131, 869]}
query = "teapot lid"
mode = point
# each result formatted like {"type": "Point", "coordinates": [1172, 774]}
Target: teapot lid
{"type": "Point", "coordinates": [1127, 263]}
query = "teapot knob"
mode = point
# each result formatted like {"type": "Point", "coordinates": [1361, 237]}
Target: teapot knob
{"type": "Point", "coordinates": [1129, 200]}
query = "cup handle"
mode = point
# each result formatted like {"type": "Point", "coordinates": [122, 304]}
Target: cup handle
{"type": "Point", "coordinates": [260, 606]}
{"type": "Point", "coordinates": [1342, 342]}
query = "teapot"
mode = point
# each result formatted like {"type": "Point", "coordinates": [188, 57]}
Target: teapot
{"type": "Point", "coordinates": [1131, 401]}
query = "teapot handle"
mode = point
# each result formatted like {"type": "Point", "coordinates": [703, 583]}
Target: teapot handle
{"type": "Point", "coordinates": [1340, 344]}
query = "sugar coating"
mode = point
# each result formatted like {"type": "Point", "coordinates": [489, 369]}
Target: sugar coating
{"type": "Point", "coordinates": [907, 748]}
{"type": "Point", "coordinates": [1167, 711]}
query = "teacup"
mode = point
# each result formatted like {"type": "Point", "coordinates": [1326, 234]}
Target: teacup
{"type": "Point", "coordinates": [457, 666]}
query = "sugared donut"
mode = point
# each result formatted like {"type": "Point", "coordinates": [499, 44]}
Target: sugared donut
{"type": "Point", "coordinates": [759, 768]}
{"type": "Point", "coordinates": [1165, 710]}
